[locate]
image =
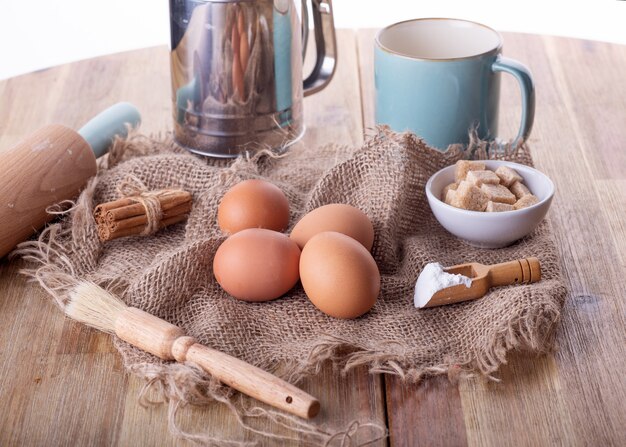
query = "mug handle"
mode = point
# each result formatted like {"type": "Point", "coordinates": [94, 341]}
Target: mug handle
{"type": "Point", "coordinates": [527, 88]}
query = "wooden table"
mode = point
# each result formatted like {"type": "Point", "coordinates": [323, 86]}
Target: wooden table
{"type": "Point", "coordinates": [63, 384]}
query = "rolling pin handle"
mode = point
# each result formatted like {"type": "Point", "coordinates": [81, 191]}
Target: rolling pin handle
{"type": "Point", "coordinates": [100, 131]}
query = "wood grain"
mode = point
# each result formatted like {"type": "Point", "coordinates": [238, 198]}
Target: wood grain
{"type": "Point", "coordinates": [613, 194]}
{"type": "Point", "coordinates": [426, 414]}
{"type": "Point", "coordinates": [577, 395]}
{"type": "Point", "coordinates": [63, 384]}
{"type": "Point", "coordinates": [50, 166]}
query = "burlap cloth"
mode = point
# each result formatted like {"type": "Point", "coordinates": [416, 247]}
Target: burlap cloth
{"type": "Point", "coordinates": [169, 274]}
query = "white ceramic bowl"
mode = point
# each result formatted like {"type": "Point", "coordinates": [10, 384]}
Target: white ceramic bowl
{"type": "Point", "coordinates": [491, 230]}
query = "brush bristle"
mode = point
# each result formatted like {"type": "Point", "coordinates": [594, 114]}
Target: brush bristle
{"type": "Point", "coordinates": [92, 305]}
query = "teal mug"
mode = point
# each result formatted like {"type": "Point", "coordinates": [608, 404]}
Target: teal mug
{"type": "Point", "coordinates": [440, 78]}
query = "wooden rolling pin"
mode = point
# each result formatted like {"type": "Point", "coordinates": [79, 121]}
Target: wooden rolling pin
{"type": "Point", "coordinates": [50, 166]}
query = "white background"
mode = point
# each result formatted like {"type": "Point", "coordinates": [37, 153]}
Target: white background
{"type": "Point", "coordinates": [36, 34]}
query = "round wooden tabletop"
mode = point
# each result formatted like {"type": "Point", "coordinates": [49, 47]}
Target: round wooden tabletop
{"type": "Point", "coordinates": [64, 384]}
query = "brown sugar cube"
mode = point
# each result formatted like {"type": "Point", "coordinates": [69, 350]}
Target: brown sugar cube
{"type": "Point", "coordinates": [480, 177]}
{"type": "Point", "coordinates": [464, 166]}
{"type": "Point", "coordinates": [451, 186]}
{"type": "Point", "coordinates": [451, 197]}
{"type": "Point", "coordinates": [508, 176]}
{"type": "Point", "coordinates": [470, 197]}
{"type": "Point", "coordinates": [496, 207]}
{"type": "Point", "coordinates": [520, 190]}
{"type": "Point", "coordinates": [498, 193]}
{"type": "Point", "coordinates": [525, 202]}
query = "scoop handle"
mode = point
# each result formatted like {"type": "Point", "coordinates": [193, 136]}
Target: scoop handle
{"type": "Point", "coordinates": [247, 378]}
{"type": "Point", "coordinates": [100, 131]}
{"type": "Point", "coordinates": [526, 270]}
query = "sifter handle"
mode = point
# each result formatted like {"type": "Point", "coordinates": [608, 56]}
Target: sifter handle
{"type": "Point", "coordinates": [325, 45]}
{"type": "Point", "coordinates": [247, 378]}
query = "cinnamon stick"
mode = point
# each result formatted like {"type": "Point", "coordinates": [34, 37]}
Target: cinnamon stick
{"type": "Point", "coordinates": [135, 221]}
{"type": "Point", "coordinates": [128, 217]}
{"type": "Point", "coordinates": [130, 207]}
{"type": "Point", "coordinates": [105, 233]}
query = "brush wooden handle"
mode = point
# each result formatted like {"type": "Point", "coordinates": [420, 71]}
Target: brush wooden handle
{"type": "Point", "coordinates": [50, 166]}
{"type": "Point", "coordinates": [168, 342]}
{"type": "Point", "coordinates": [247, 378]}
{"type": "Point", "coordinates": [527, 270]}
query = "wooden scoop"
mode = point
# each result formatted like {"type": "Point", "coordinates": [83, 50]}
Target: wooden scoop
{"type": "Point", "coordinates": [527, 270]}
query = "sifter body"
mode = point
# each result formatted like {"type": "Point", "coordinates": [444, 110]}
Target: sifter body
{"type": "Point", "coordinates": [236, 66]}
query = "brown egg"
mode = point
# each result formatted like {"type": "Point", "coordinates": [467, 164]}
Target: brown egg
{"type": "Point", "coordinates": [339, 275]}
{"type": "Point", "coordinates": [337, 217]}
{"type": "Point", "coordinates": [257, 264]}
{"type": "Point", "coordinates": [253, 204]}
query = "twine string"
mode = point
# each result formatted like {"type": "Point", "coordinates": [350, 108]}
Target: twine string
{"type": "Point", "coordinates": [135, 189]}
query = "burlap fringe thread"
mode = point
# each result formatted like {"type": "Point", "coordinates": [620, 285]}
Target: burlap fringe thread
{"type": "Point", "coordinates": [133, 187]}
{"type": "Point", "coordinates": [182, 384]}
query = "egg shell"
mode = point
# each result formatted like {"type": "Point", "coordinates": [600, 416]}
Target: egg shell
{"type": "Point", "coordinates": [253, 204]}
{"type": "Point", "coordinates": [339, 275]}
{"type": "Point", "coordinates": [257, 264]}
{"type": "Point", "coordinates": [337, 217]}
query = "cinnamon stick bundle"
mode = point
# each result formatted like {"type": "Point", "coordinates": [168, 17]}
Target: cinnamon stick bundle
{"type": "Point", "coordinates": [142, 214]}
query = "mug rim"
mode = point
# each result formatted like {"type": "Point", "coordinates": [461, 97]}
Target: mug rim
{"type": "Point", "coordinates": [420, 19]}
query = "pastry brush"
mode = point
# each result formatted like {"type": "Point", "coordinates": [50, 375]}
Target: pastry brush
{"type": "Point", "coordinates": [92, 305]}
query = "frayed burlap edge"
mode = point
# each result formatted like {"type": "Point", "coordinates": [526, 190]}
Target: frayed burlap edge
{"type": "Point", "coordinates": [180, 385]}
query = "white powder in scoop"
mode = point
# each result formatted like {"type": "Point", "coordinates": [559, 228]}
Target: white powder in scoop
{"type": "Point", "coordinates": [433, 279]}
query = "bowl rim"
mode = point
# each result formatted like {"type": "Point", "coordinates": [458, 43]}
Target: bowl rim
{"type": "Point", "coordinates": [430, 195]}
